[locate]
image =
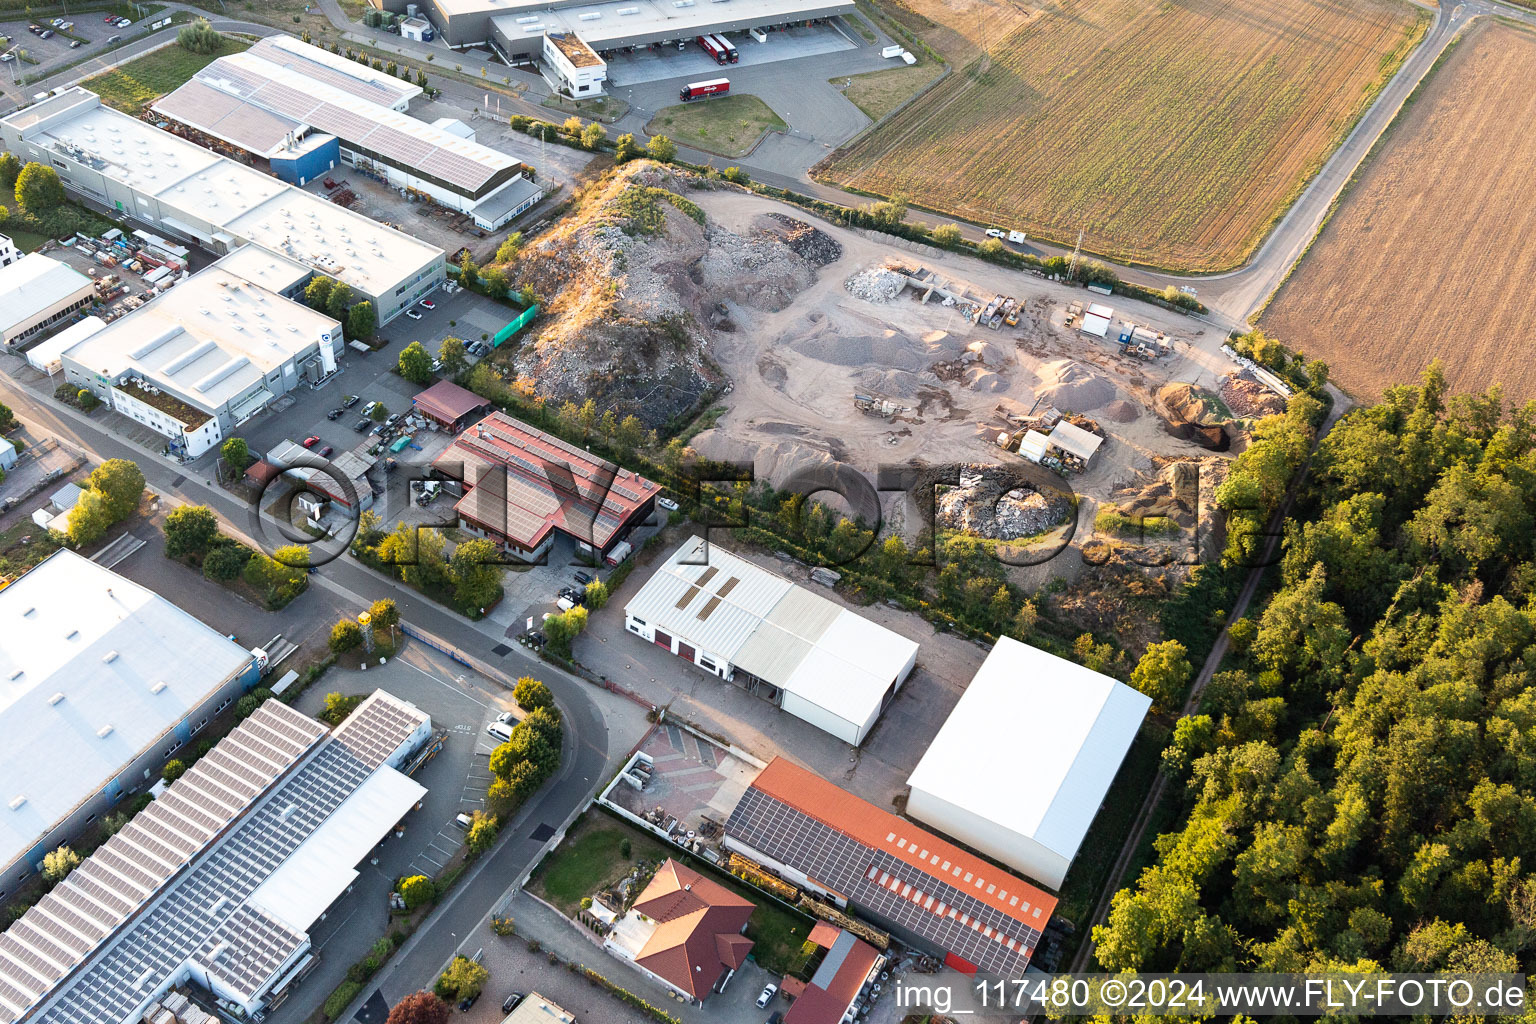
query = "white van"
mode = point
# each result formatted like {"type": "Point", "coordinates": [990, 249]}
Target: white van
{"type": "Point", "coordinates": [500, 731]}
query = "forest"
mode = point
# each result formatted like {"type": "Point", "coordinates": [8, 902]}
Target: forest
{"type": "Point", "coordinates": [1358, 783]}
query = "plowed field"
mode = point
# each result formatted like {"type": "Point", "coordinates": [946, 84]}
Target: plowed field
{"type": "Point", "coordinates": [1175, 133]}
{"type": "Point", "coordinates": [1428, 255]}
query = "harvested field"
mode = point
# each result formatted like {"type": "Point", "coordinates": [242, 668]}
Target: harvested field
{"type": "Point", "coordinates": [1427, 255]}
{"type": "Point", "coordinates": [1175, 134]}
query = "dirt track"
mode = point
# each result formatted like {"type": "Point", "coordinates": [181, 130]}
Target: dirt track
{"type": "Point", "coordinates": [1426, 257]}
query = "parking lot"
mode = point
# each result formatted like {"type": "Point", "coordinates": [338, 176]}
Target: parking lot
{"type": "Point", "coordinates": [657, 62]}
{"type": "Point", "coordinates": [88, 27]}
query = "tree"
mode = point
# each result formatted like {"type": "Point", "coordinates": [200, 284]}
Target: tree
{"type": "Point", "coordinates": [362, 322]}
{"type": "Point", "coordinates": [121, 483]}
{"type": "Point", "coordinates": [593, 136]}
{"type": "Point", "coordinates": [495, 281]}
{"type": "Point", "coordinates": [482, 831]}
{"type": "Point", "coordinates": [947, 234]}
{"type": "Point", "coordinates": [469, 274]}
{"type": "Point", "coordinates": [346, 635]}
{"type": "Point", "coordinates": [338, 302]}
{"type": "Point", "coordinates": [237, 454]}
{"type": "Point", "coordinates": [416, 363]}
{"type": "Point", "coordinates": [1162, 673]}
{"type": "Point", "coordinates": [476, 574]}
{"type": "Point", "coordinates": [562, 629]}
{"type": "Point", "coordinates": [625, 148]}
{"type": "Point", "coordinates": [661, 148]}
{"type": "Point", "coordinates": [7, 418]}
{"type": "Point", "coordinates": [10, 170]}
{"type": "Point", "coordinates": [735, 175]}
{"type": "Point", "coordinates": [226, 561]}
{"type": "Point", "coordinates": [416, 890]}
{"type": "Point", "coordinates": [453, 356]}
{"type": "Point", "coordinates": [317, 294]}
{"type": "Point", "coordinates": [420, 1008]}
{"type": "Point", "coordinates": [174, 769]}
{"type": "Point", "coordinates": [462, 980]}
{"type": "Point", "coordinates": [89, 519]}
{"type": "Point", "coordinates": [384, 615]}
{"type": "Point", "coordinates": [597, 594]}
{"type": "Point", "coordinates": [199, 37]}
{"type": "Point", "coordinates": [531, 694]}
{"type": "Point", "coordinates": [38, 189]}
{"type": "Point", "coordinates": [190, 530]}
{"type": "Point", "coordinates": [59, 863]}
{"type": "Point", "coordinates": [510, 247]}
{"type": "Point", "coordinates": [571, 127]}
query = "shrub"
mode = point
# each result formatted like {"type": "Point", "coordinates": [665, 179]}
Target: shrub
{"type": "Point", "coordinates": [190, 530]}
{"type": "Point", "coordinates": [59, 863]}
{"type": "Point", "coordinates": [226, 561]}
{"type": "Point", "coordinates": [947, 234]}
{"type": "Point", "coordinates": [625, 850]}
{"type": "Point", "coordinates": [346, 635]}
{"type": "Point", "coordinates": [416, 890]}
{"type": "Point", "coordinates": [199, 37]}
{"type": "Point", "coordinates": [337, 1002]}
{"type": "Point", "coordinates": [173, 770]}
{"type": "Point", "coordinates": [531, 694]}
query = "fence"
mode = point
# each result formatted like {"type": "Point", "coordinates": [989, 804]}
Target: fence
{"type": "Point", "coordinates": [452, 652]}
{"type": "Point", "coordinates": [523, 320]}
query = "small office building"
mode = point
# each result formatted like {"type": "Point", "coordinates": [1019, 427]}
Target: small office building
{"type": "Point", "coordinates": [750, 626]}
{"type": "Point", "coordinates": [36, 293]}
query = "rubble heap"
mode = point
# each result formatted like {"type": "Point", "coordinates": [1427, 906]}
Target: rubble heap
{"type": "Point", "coordinates": [877, 285]}
{"type": "Point", "coordinates": [990, 503]}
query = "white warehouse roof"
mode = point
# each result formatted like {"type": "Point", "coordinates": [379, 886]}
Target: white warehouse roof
{"type": "Point", "coordinates": [1020, 767]}
{"type": "Point", "coordinates": [94, 670]}
{"type": "Point", "coordinates": [741, 613]}
{"type": "Point", "coordinates": [34, 283]}
{"type": "Point", "coordinates": [46, 353]}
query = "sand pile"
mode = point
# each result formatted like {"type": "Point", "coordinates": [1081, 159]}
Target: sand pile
{"type": "Point", "coordinates": [896, 383]}
{"type": "Point", "coordinates": [855, 342]}
{"type": "Point", "coordinates": [1122, 411]}
{"type": "Point", "coordinates": [877, 285]}
{"type": "Point", "coordinates": [979, 378]}
{"type": "Point", "coordinates": [1072, 386]}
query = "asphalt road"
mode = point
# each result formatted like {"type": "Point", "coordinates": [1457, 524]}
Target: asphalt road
{"type": "Point", "coordinates": [586, 731]}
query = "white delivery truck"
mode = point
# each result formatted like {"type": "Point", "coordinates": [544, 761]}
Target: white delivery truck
{"type": "Point", "coordinates": [891, 51]}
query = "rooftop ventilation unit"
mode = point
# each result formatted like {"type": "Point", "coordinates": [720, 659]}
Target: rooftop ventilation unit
{"type": "Point", "coordinates": [623, 11]}
{"type": "Point", "coordinates": [18, 802]}
{"type": "Point", "coordinates": [528, 20]}
{"type": "Point", "coordinates": [17, 674]}
{"type": "Point", "coordinates": [591, 16]}
{"type": "Point", "coordinates": [104, 731]}
{"type": "Point", "coordinates": [56, 698]}
{"type": "Point", "coordinates": [109, 657]}
{"type": "Point", "coordinates": [158, 687]}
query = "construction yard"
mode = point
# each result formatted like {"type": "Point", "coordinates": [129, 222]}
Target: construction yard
{"type": "Point", "coordinates": [1445, 202]}
{"type": "Point", "coordinates": [940, 389]}
{"type": "Point", "coordinates": [1169, 134]}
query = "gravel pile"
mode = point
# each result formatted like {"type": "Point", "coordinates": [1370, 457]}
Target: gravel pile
{"type": "Point", "coordinates": [1072, 386]}
{"type": "Point", "coordinates": [877, 285]}
{"type": "Point", "coordinates": [1122, 411]}
{"type": "Point", "coordinates": [811, 243]}
{"type": "Point", "coordinates": [986, 509]}
{"type": "Point", "coordinates": [1249, 398]}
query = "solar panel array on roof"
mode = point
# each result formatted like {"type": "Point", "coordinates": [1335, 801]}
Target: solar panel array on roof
{"type": "Point", "coordinates": [172, 885]}
{"type": "Point", "coordinates": [884, 886]}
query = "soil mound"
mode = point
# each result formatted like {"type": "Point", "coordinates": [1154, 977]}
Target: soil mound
{"type": "Point", "coordinates": [877, 285]}
{"type": "Point", "coordinates": [1122, 411]}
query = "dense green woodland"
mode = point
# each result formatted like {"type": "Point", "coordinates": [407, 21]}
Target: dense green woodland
{"type": "Point", "coordinates": [1360, 782]}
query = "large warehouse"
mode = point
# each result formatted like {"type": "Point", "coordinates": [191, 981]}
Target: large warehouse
{"type": "Point", "coordinates": [101, 681]}
{"type": "Point", "coordinates": [524, 486]}
{"type": "Point", "coordinates": [190, 193]}
{"type": "Point", "coordinates": [810, 656]}
{"type": "Point", "coordinates": [300, 110]}
{"type": "Point", "coordinates": [218, 881]}
{"type": "Point", "coordinates": [37, 292]}
{"type": "Point", "coordinates": [925, 891]}
{"type": "Point", "coordinates": [1030, 812]}
{"type": "Point", "coordinates": [517, 27]}
{"type": "Point", "coordinates": [199, 360]}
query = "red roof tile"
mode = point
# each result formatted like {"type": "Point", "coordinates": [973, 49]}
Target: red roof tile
{"type": "Point", "coordinates": [698, 931]}
{"type": "Point", "coordinates": [826, 1003]}
{"type": "Point", "coordinates": [448, 402]}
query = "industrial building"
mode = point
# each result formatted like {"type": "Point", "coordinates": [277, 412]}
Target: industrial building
{"type": "Point", "coordinates": [536, 1009]}
{"type": "Point", "coordinates": [218, 881]}
{"type": "Point", "coordinates": [103, 681]}
{"type": "Point", "coordinates": [925, 891]}
{"type": "Point", "coordinates": [300, 111]}
{"type": "Point", "coordinates": [450, 406]}
{"type": "Point", "coordinates": [8, 252]}
{"type": "Point", "coordinates": [1080, 726]}
{"type": "Point", "coordinates": [190, 193]}
{"type": "Point", "coordinates": [199, 360]}
{"type": "Point", "coordinates": [812, 657]}
{"type": "Point", "coordinates": [47, 355]}
{"type": "Point", "coordinates": [523, 487]}
{"type": "Point", "coordinates": [37, 292]}
{"type": "Point", "coordinates": [841, 983]}
{"type": "Point", "coordinates": [341, 479]}
{"type": "Point", "coordinates": [516, 28]}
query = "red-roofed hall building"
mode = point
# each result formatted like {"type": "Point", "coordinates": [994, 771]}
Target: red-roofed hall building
{"type": "Point", "coordinates": [839, 983]}
{"type": "Point", "coordinates": [925, 890]}
{"type": "Point", "coordinates": [523, 486]}
{"type": "Point", "coordinates": [685, 931]}
{"type": "Point", "coordinates": [450, 406]}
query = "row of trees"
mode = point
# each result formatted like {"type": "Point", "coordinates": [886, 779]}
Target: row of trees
{"type": "Point", "coordinates": [532, 754]}
{"type": "Point", "coordinates": [192, 535]}
{"type": "Point", "coordinates": [1359, 785]}
{"type": "Point", "coordinates": [347, 634]}
{"type": "Point", "coordinates": [468, 581]}
{"type": "Point", "coordinates": [359, 320]}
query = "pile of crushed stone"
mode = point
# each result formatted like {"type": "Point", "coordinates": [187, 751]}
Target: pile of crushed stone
{"type": "Point", "coordinates": [1072, 386]}
{"type": "Point", "coordinates": [811, 244]}
{"type": "Point", "coordinates": [1122, 411]}
{"type": "Point", "coordinates": [877, 285]}
{"type": "Point", "coordinates": [1249, 398]}
{"type": "Point", "coordinates": [983, 507]}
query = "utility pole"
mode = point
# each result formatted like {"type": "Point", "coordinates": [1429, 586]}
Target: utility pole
{"type": "Point", "coordinates": [1076, 252]}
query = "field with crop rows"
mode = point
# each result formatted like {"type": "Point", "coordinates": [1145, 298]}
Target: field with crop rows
{"type": "Point", "coordinates": [1427, 255]}
{"type": "Point", "coordinates": [1173, 133]}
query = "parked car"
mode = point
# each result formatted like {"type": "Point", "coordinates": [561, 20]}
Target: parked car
{"type": "Point", "coordinates": [667, 503]}
{"type": "Point", "coordinates": [361, 425]}
{"type": "Point", "coordinates": [311, 440]}
{"type": "Point", "coordinates": [463, 821]}
{"type": "Point", "coordinates": [510, 1003]}
{"type": "Point", "coordinates": [769, 991]}
{"type": "Point", "coordinates": [428, 304]}
{"type": "Point", "coordinates": [46, 33]}
{"type": "Point", "coordinates": [110, 19]}
{"type": "Point", "coordinates": [506, 718]}
{"type": "Point", "coordinates": [348, 401]}
{"type": "Point", "coordinates": [996, 233]}
{"type": "Point", "coordinates": [7, 57]}
{"type": "Point", "coordinates": [467, 1002]}
{"type": "Point", "coordinates": [777, 1018]}
{"type": "Point", "coordinates": [124, 22]}
{"type": "Point", "coordinates": [564, 603]}
{"type": "Point", "coordinates": [335, 414]}
{"type": "Point", "coordinates": [368, 409]}
{"type": "Point", "coordinates": [325, 452]}
{"type": "Point", "coordinates": [74, 44]}
{"type": "Point", "coordinates": [393, 419]}
{"type": "Point", "coordinates": [413, 314]}
{"type": "Point", "coordinates": [583, 578]}
{"type": "Point", "coordinates": [501, 732]}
